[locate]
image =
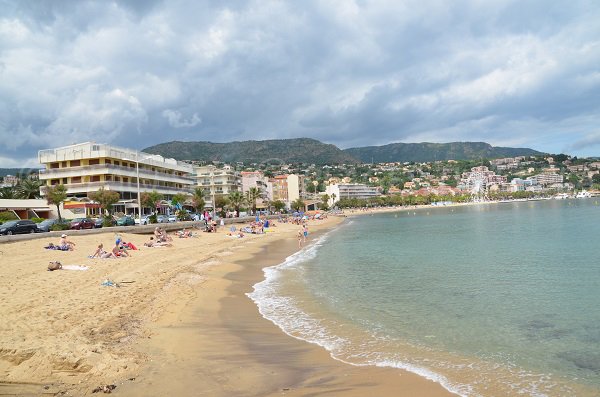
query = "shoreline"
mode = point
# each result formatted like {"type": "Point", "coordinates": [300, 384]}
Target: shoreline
{"type": "Point", "coordinates": [181, 321]}
{"type": "Point", "coordinates": [251, 356]}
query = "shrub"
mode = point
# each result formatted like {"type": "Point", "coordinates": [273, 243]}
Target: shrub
{"type": "Point", "coordinates": [108, 222]}
{"type": "Point", "coordinates": [7, 216]}
{"type": "Point", "coordinates": [60, 226]}
{"type": "Point", "coordinates": [152, 219]}
{"type": "Point", "coordinates": [37, 220]}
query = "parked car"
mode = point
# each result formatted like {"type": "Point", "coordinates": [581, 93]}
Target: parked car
{"type": "Point", "coordinates": [18, 227]}
{"type": "Point", "coordinates": [172, 218]}
{"type": "Point", "coordinates": [144, 221]}
{"type": "Point", "coordinates": [162, 218]}
{"type": "Point", "coordinates": [82, 223]}
{"type": "Point", "coordinates": [98, 223]}
{"type": "Point", "coordinates": [46, 225]}
{"type": "Point", "coordinates": [125, 221]}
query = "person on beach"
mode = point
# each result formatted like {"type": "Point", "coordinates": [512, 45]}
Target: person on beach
{"type": "Point", "coordinates": [65, 244]}
{"type": "Point", "coordinates": [300, 238]}
{"type": "Point", "coordinates": [305, 232]}
{"type": "Point", "coordinates": [152, 244]}
{"type": "Point", "coordinates": [119, 251]}
{"type": "Point", "coordinates": [101, 253]}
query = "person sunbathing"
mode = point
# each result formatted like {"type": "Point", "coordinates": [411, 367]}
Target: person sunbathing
{"type": "Point", "coordinates": [119, 251]}
{"type": "Point", "coordinates": [101, 253]}
{"type": "Point", "coordinates": [65, 244]}
{"type": "Point", "coordinates": [153, 244]}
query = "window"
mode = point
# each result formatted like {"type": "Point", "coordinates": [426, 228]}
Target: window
{"type": "Point", "coordinates": [53, 165]}
{"type": "Point", "coordinates": [117, 163]}
{"type": "Point", "coordinates": [75, 163]}
{"type": "Point", "coordinates": [95, 178]}
{"type": "Point", "coordinates": [76, 179]}
{"type": "Point", "coordinates": [106, 161]}
{"type": "Point", "coordinates": [94, 161]}
{"type": "Point", "coordinates": [95, 148]}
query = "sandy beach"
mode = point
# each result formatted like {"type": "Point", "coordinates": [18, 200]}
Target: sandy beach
{"type": "Point", "coordinates": [179, 323]}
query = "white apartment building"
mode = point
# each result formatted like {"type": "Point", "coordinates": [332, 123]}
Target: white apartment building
{"type": "Point", "coordinates": [349, 191]}
{"type": "Point", "coordinates": [217, 182]}
{"type": "Point", "coordinates": [547, 178]}
{"type": "Point", "coordinates": [86, 167]}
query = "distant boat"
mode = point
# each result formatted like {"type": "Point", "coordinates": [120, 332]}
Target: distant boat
{"type": "Point", "coordinates": [561, 196]}
{"type": "Point", "coordinates": [584, 194]}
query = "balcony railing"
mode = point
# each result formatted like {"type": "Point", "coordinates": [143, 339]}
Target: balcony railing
{"type": "Point", "coordinates": [113, 170]}
{"type": "Point", "coordinates": [123, 186]}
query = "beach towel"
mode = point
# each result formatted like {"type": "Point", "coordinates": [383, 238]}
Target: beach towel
{"type": "Point", "coordinates": [74, 267]}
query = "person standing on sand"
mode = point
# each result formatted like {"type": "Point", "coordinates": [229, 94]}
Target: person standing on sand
{"type": "Point", "coordinates": [305, 232]}
{"type": "Point", "coordinates": [300, 239]}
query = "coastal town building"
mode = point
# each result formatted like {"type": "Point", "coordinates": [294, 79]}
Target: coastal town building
{"type": "Point", "coordinates": [88, 167]}
{"type": "Point", "coordinates": [340, 191]}
{"type": "Point", "coordinates": [287, 188]}
{"type": "Point", "coordinates": [217, 182]}
{"type": "Point", "coordinates": [547, 178]}
{"type": "Point", "coordinates": [257, 180]}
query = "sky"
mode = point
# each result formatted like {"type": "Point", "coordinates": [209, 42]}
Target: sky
{"type": "Point", "coordinates": [522, 73]}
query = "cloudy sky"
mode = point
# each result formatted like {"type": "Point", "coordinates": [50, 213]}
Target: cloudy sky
{"type": "Point", "coordinates": [348, 72]}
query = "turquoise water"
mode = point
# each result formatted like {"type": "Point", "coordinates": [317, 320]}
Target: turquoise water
{"type": "Point", "coordinates": [488, 300]}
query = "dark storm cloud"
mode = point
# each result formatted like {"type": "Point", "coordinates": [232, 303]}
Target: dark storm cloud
{"type": "Point", "coordinates": [136, 73]}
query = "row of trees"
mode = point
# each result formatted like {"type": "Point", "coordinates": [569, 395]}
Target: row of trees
{"type": "Point", "coordinates": [398, 200]}
{"type": "Point", "coordinates": [27, 188]}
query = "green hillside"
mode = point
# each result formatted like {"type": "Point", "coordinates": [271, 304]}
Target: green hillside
{"type": "Point", "coordinates": [425, 151]}
{"type": "Point", "coordinates": [300, 150]}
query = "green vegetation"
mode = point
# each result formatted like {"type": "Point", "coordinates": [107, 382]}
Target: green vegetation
{"type": "Point", "coordinates": [275, 151]}
{"type": "Point", "coordinates": [55, 195]}
{"type": "Point", "coordinates": [425, 151]}
{"type": "Point", "coordinates": [106, 199]}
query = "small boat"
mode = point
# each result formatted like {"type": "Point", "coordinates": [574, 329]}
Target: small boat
{"type": "Point", "coordinates": [583, 194]}
{"type": "Point", "coordinates": [561, 196]}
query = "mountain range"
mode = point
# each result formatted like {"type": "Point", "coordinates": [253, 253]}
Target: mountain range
{"type": "Point", "coordinates": [312, 151]}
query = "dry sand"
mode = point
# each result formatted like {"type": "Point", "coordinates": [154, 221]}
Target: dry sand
{"type": "Point", "coordinates": [179, 324]}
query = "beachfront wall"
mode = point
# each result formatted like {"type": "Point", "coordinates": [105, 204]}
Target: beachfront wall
{"type": "Point", "coordinates": [86, 167]}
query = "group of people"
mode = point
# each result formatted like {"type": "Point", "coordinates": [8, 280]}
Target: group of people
{"type": "Point", "coordinates": [120, 250]}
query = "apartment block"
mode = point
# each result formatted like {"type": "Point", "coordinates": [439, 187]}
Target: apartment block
{"type": "Point", "coordinates": [87, 167]}
{"type": "Point", "coordinates": [349, 191]}
{"type": "Point", "coordinates": [217, 182]}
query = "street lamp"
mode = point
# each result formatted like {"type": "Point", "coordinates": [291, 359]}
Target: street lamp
{"type": "Point", "coordinates": [137, 171]}
{"type": "Point", "coordinates": [212, 190]}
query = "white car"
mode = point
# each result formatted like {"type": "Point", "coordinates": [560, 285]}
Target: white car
{"type": "Point", "coordinates": [172, 218]}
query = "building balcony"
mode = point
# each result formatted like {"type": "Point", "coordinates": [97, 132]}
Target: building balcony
{"type": "Point", "coordinates": [73, 188]}
{"type": "Point", "coordinates": [110, 169]}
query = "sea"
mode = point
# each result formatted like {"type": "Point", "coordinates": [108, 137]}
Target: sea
{"type": "Point", "coordinates": [495, 299]}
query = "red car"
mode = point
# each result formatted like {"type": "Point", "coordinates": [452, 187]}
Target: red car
{"type": "Point", "coordinates": [82, 223]}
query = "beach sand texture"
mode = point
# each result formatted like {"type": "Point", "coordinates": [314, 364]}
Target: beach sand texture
{"type": "Point", "coordinates": [178, 324]}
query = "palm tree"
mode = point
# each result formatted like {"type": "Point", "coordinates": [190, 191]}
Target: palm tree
{"type": "Point", "coordinates": [333, 196]}
{"type": "Point", "coordinates": [8, 192]}
{"type": "Point", "coordinates": [198, 199]}
{"type": "Point", "coordinates": [28, 188]}
{"type": "Point", "coordinates": [56, 194]}
{"type": "Point", "coordinates": [236, 200]}
{"type": "Point", "coordinates": [252, 195]}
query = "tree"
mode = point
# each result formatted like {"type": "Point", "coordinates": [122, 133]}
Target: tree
{"type": "Point", "coordinates": [596, 178]}
{"type": "Point", "coordinates": [106, 199]}
{"type": "Point", "coordinates": [178, 200]}
{"type": "Point", "coordinates": [324, 205]}
{"type": "Point", "coordinates": [236, 200]}
{"type": "Point", "coordinates": [333, 197]}
{"type": "Point", "coordinates": [8, 192]}
{"type": "Point", "coordinates": [297, 204]}
{"type": "Point", "coordinates": [55, 195]}
{"type": "Point", "coordinates": [28, 188]}
{"type": "Point", "coordinates": [151, 199]}
{"type": "Point", "coordinates": [252, 195]}
{"type": "Point", "coordinates": [198, 199]}
{"type": "Point", "coordinates": [278, 205]}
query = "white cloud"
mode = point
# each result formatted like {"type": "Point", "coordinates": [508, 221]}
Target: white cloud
{"type": "Point", "coordinates": [176, 119]}
{"type": "Point", "coordinates": [351, 73]}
